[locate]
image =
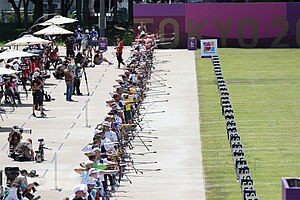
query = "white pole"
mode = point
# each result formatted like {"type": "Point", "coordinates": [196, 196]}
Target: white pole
{"type": "Point", "coordinates": [55, 173]}
{"type": "Point", "coordinates": [55, 170]}
{"type": "Point", "coordinates": [86, 114]}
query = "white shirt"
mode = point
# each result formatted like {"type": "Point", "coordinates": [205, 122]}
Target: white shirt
{"type": "Point", "coordinates": [16, 66]}
{"type": "Point", "coordinates": [112, 136]}
{"type": "Point", "coordinates": [118, 119]}
{"type": "Point", "coordinates": [12, 194]}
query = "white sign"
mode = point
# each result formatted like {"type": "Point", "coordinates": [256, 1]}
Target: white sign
{"type": "Point", "coordinates": [209, 47]}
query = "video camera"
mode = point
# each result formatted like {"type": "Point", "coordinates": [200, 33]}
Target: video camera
{"type": "Point", "coordinates": [19, 130]}
{"type": "Point", "coordinates": [39, 156]}
{"type": "Point", "coordinates": [11, 174]}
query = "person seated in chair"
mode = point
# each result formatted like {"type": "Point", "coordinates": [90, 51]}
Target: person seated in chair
{"type": "Point", "coordinates": [53, 56]}
{"type": "Point", "coordinates": [11, 90]}
{"type": "Point", "coordinates": [14, 88]}
{"type": "Point", "coordinates": [24, 151]}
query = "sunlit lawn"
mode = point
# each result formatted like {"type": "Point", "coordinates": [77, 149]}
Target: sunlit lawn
{"type": "Point", "coordinates": [264, 87]}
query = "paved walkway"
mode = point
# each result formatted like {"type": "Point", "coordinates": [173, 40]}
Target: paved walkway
{"type": "Point", "coordinates": [178, 172]}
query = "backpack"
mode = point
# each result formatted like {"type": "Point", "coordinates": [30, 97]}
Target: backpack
{"type": "Point", "coordinates": [47, 97]}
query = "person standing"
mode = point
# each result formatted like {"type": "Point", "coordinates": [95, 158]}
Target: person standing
{"type": "Point", "coordinates": [69, 44]}
{"type": "Point", "coordinates": [142, 28]}
{"type": "Point", "coordinates": [69, 79]}
{"type": "Point", "coordinates": [37, 93]}
{"type": "Point", "coordinates": [85, 39]}
{"type": "Point", "coordinates": [94, 38]}
{"type": "Point", "coordinates": [78, 38]}
{"type": "Point", "coordinates": [119, 48]}
{"type": "Point", "coordinates": [77, 79]}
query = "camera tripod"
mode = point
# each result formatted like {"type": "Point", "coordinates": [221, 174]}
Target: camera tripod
{"type": "Point", "coordinates": [86, 81]}
{"type": "Point", "coordinates": [39, 157]}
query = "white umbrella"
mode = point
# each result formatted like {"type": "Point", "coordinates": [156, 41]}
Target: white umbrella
{"type": "Point", "coordinates": [4, 71]}
{"type": "Point", "coordinates": [57, 20]}
{"type": "Point", "coordinates": [28, 40]}
{"type": "Point", "coordinates": [53, 30]}
{"type": "Point", "coordinates": [14, 54]}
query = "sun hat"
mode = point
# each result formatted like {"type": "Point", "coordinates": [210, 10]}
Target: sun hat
{"type": "Point", "coordinates": [93, 171]}
{"type": "Point", "coordinates": [105, 123]}
{"type": "Point", "coordinates": [81, 187]}
{"type": "Point", "coordinates": [88, 162]}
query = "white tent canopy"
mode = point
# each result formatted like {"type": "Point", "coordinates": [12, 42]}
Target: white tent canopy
{"type": "Point", "coordinates": [53, 30]}
{"type": "Point", "coordinates": [57, 20]}
{"type": "Point", "coordinates": [14, 54]}
{"type": "Point", "coordinates": [28, 40]}
{"type": "Point", "coordinates": [5, 71]}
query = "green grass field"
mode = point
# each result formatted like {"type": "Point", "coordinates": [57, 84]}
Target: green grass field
{"type": "Point", "coordinates": [264, 87]}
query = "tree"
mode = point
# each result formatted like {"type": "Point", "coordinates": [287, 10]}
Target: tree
{"type": "Point", "coordinates": [25, 3]}
{"type": "Point", "coordinates": [17, 10]}
{"type": "Point", "coordinates": [65, 6]}
{"type": "Point", "coordinates": [86, 12]}
{"type": "Point", "coordinates": [78, 10]}
{"type": "Point", "coordinates": [38, 9]}
{"type": "Point", "coordinates": [50, 6]}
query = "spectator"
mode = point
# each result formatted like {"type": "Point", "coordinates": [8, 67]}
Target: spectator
{"type": "Point", "coordinates": [11, 90]}
{"type": "Point", "coordinates": [53, 56]}
{"type": "Point", "coordinates": [142, 28]}
{"type": "Point", "coordinates": [16, 65]}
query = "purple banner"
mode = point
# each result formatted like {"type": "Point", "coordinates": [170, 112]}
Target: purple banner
{"type": "Point", "coordinates": [233, 24]}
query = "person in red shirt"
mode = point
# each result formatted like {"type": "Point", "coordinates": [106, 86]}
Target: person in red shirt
{"type": "Point", "coordinates": [119, 48]}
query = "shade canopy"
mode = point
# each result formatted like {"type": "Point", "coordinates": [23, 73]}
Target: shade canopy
{"type": "Point", "coordinates": [28, 40]}
{"type": "Point", "coordinates": [15, 54]}
{"type": "Point", "coordinates": [57, 20]}
{"type": "Point", "coordinates": [53, 30]}
{"type": "Point", "coordinates": [5, 71]}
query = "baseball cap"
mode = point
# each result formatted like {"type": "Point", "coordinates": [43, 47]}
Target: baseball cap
{"type": "Point", "coordinates": [116, 124]}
